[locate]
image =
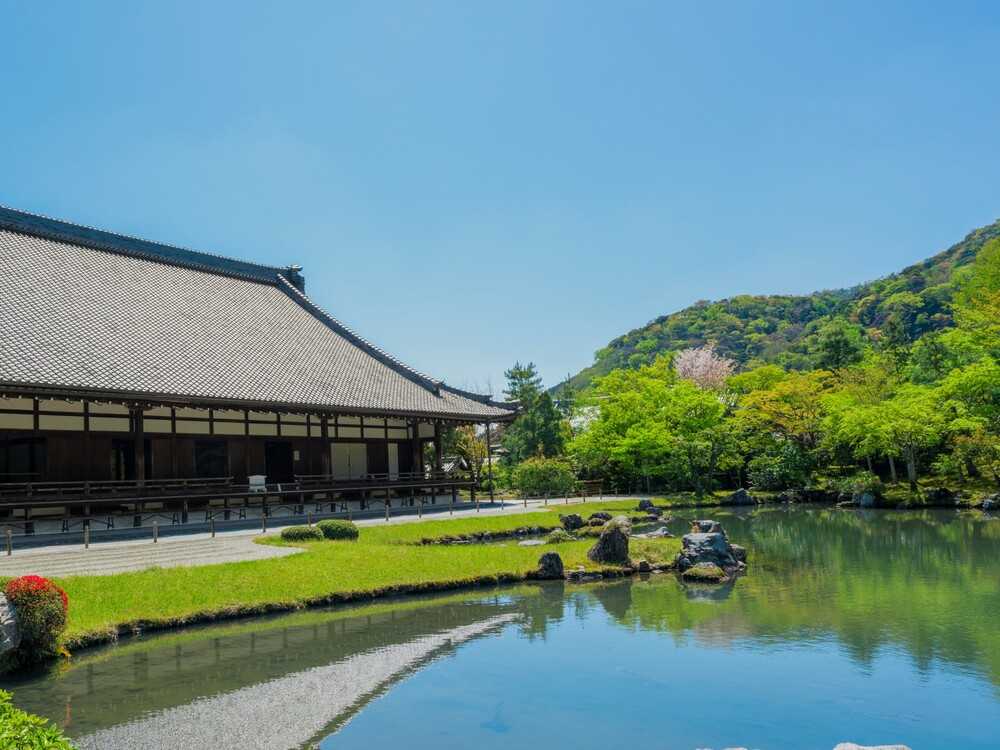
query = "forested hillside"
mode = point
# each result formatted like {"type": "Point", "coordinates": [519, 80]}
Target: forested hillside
{"type": "Point", "coordinates": [789, 330]}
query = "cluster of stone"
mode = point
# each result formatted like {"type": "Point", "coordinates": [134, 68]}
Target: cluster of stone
{"type": "Point", "coordinates": [10, 636]}
{"type": "Point", "coordinates": [707, 555]}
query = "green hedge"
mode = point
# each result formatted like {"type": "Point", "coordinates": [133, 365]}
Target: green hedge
{"type": "Point", "coordinates": [544, 476]}
{"type": "Point", "coordinates": [333, 529]}
{"type": "Point", "coordinates": [24, 731]}
{"type": "Point", "coordinates": [302, 534]}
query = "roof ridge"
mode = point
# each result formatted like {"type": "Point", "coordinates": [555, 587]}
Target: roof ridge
{"type": "Point", "coordinates": [125, 244]}
{"type": "Point", "coordinates": [432, 384]}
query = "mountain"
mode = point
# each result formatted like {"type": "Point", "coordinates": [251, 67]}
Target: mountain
{"type": "Point", "coordinates": [784, 329]}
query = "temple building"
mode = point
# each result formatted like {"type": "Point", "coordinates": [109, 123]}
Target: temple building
{"type": "Point", "coordinates": [132, 370]}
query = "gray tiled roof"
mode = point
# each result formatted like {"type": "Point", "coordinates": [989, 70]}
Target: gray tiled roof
{"type": "Point", "coordinates": [111, 318]}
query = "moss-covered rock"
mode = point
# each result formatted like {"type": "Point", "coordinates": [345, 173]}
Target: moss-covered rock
{"type": "Point", "coordinates": [704, 571]}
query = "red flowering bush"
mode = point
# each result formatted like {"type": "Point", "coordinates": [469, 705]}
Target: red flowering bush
{"type": "Point", "coordinates": [41, 614]}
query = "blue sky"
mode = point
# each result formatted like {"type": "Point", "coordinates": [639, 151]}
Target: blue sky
{"type": "Point", "coordinates": [472, 183]}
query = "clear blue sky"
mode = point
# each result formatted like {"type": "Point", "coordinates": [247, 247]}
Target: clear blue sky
{"type": "Point", "coordinates": [472, 183]}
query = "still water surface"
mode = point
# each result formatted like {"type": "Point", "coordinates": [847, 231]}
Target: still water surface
{"type": "Point", "coordinates": [873, 627]}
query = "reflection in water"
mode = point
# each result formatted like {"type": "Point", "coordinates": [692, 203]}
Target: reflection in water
{"type": "Point", "coordinates": [886, 618]}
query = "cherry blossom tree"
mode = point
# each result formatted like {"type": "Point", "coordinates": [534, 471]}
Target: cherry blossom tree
{"type": "Point", "coordinates": [703, 367]}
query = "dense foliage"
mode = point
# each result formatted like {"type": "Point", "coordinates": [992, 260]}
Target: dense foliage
{"type": "Point", "coordinates": [827, 329]}
{"type": "Point", "coordinates": [23, 731]}
{"type": "Point", "coordinates": [41, 616]}
{"type": "Point", "coordinates": [548, 477]}
{"type": "Point", "coordinates": [334, 529]}
{"type": "Point", "coordinates": [539, 430]}
{"type": "Point", "coordinates": [931, 404]}
{"type": "Point", "coordinates": [302, 534]}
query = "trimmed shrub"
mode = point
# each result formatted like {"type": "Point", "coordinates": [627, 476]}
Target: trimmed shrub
{"type": "Point", "coordinates": [334, 529]}
{"type": "Point", "coordinates": [23, 731]}
{"type": "Point", "coordinates": [41, 615]}
{"type": "Point", "coordinates": [302, 534]}
{"type": "Point", "coordinates": [781, 469]}
{"type": "Point", "coordinates": [544, 476]}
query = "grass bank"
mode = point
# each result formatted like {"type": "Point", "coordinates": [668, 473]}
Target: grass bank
{"type": "Point", "coordinates": [384, 561]}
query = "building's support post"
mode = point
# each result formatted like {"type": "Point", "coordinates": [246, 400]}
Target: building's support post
{"type": "Point", "coordinates": [139, 437]}
{"type": "Point", "coordinates": [438, 458]}
{"type": "Point", "coordinates": [324, 461]}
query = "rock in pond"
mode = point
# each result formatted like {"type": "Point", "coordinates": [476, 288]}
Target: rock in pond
{"type": "Point", "coordinates": [740, 497]}
{"type": "Point", "coordinates": [611, 546]}
{"type": "Point", "coordinates": [706, 527]}
{"type": "Point", "coordinates": [992, 502]}
{"type": "Point", "coordinates": [600, 516]}
{"type": "Point", "coordinates": [710, 547]}
{"type": "Point", "coordinates": [643, 566]}
{"type": "Point", "coordinates": [550, 566]}
{"type": "Point", "coordinates": [704, 571]}
{"type": "Point", "coordinates": [572, 521]}
{"type": "Point", "coordinates": [10, 635]}
{"type": "Point", "coordinates": [646, 506]}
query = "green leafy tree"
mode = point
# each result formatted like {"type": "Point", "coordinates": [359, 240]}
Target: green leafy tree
{"type": "Point", "coordinates": [977, 304]}
{"type": "Point", "coordinates": [840, 345]}
{"type": "Point", "coordinates": [539, 429]}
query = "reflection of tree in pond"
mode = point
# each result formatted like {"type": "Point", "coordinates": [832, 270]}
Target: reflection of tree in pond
{"type": "Point", "coordinates": [616, 598]}
{"type": "Point", "coordinates": [547, 606]}
{"type": "Point", "coordinates": [925, 581]}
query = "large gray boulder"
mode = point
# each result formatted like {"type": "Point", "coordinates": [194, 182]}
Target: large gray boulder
{"type": "Point", "coordinates": [572, 521]}
{"type": "Point", "coordinates": [10, 635]}
{"type": "Point", "coordinates": [611, 545]}
{"type": "Point", "coordinates": [706, 548]}
{"type": "Point", "coordinates": [550, 566]}
{"type": "Point", "coordinates": [740, 497]}
{"type": "Point", "coordinates": [646, 506]}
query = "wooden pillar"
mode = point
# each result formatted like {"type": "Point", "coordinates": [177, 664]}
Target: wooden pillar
{"type": "Point", "coordinates": [417, 449]}
{"type": "Point", "coordinates": [139, 436]}
{"type": "Point", "coordinates": [325, 456]}
{"type": "Point", "coordinates": [437, 447]}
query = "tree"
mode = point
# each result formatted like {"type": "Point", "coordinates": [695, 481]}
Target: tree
{"type": "Point", "coordinates": [840, 345]}
{"type": "Point", "coordinates": [912, 420]}
{"type": "Point", "coordinates": [977, 303]}
{"type": "Point", "coordinates": [539, 429]}
{"type": "Point", "coordinates": [471, 448]}
{"type": "Point", "coordinates": [703, 367]}
{"type": "Point", "coordinates": [653, 425]}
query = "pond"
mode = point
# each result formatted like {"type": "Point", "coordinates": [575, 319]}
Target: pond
{"type": "Point", "coordinates": [864, 626]}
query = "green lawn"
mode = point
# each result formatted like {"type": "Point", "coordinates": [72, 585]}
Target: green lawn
{"type": "Point", "coordinates": [381, 559]}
